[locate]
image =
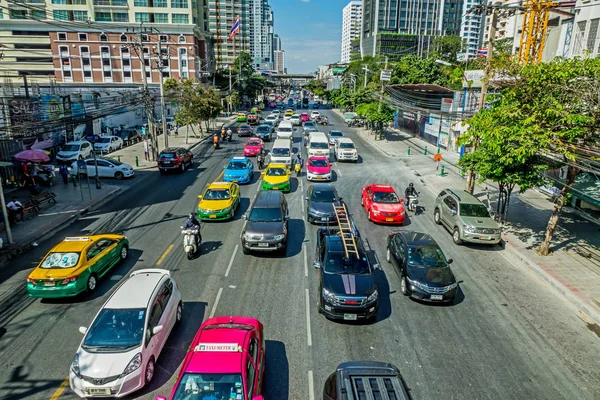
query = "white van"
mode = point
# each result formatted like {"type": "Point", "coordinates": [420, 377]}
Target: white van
{"type": "Point", "coordinates": [282, 152]}
{"type": "Point", "coordinates": [318, 144]}
{"type": "Point", "coordinates": [285, 130]}
{"type": "Point", "coordinates": [345, 150]}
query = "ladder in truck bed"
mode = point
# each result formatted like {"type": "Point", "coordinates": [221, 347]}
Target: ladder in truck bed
{"type": "Point", "coordinates": [346, 229]}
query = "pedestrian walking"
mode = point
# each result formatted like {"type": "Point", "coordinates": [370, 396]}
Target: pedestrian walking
{"type": "Point", "coordinates": [63, 170]}
{"type": "Point", "coordinates": [146, 149]}
{"type": "Point", "coordinates": [176, 130]}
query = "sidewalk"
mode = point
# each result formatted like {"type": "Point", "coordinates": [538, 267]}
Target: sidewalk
{"type": "Point", "coordinates": [573, 268]}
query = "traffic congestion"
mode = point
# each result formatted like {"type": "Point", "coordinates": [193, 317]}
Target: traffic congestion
{"type": "Point", "coordinates": [293, 200]}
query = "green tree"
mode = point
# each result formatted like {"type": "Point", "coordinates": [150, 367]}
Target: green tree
{"type": "Point", "coordinates": [247, 65]}
{"type": "Point", "coordinates": [447, 47]}
{"type": "Point", "coordinates": [253, 85]}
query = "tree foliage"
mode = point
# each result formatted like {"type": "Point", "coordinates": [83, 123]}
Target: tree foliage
{"type": "Point", "coordinates": [446, 47]}
{"type": "Point", "coordinates": [247, 65]}
{"type": "Point", "coordinates": [373, 113]}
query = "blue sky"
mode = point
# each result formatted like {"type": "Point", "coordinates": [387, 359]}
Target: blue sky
{"type": "Point", "coordinates": [310, 31]}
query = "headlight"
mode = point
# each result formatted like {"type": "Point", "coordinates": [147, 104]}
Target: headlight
{"type": "Point", "coordinates": [497, 231]}
{"type": "Point", "coordinates": [134, 364]}
{"type": "Point", "coordinates": [470, 229]}
{"type": "Point", "coordinates": [247, 236]}
{"type": "Point", "coordinates": [204, 211]}
{"type": "Point", "coordinates": [416, 284]}
{"type": "Point", "coordinates": [75, 366]}
{"type": "Point", "coordinates": [402, 213]}
{"type": "Point", "coordinates": [328, 296]}
{"type": "Point", "coordinates": [452, 286]}
{"type": "Point", "coordinates": [372, 297]}
{"type": "Point", "coordinates": [278, 237]}
{"type": "Point", "coordinates": [375, 212]}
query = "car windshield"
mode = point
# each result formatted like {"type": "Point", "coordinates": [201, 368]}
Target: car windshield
{"type": "Point", "coordinates": [209, 386]}
{"type": "Point", "coordinates": [319, 145]}
{"type": "Point", "coordinates": [474, 210]}
{"type": "Point", "coordinates": [426, 256]}
{"type": "Point", "coordinates": [337, 264]}
{"type": "Point", "coordinates": [71, 147]}
{"type": "Point", "coordinates": [336, 134]}
{"type": "Point", "coordinates": [285, 129]}
{"type": "Point", "coordinates": [265, 215]}
{"type": "Point", "coordinates": [323, 196]}
{"type": "Point", "coordinates": [281, 152]}
{"type": "Point", "coordinates": [105, 140]}
{"type": "Point", "coordinates": [385, 197]}
{"type": "Point", "coordinates": [277, 172]}
{"type": "Point", "coordinates": [60, 260]}
{"type": "Point", "coordinates": [244, 127]}
{"type": "Point", "coordinates": [115, 329]}
{"type": "Point", "coordinates": [166, 155]}
{"type": "Point", "coordinates": [263, 128]}
{"type": "Point", "coordinates": [237, 165]}
{"type": "Point", "coordinates": [253, 143]}
{"type": "Point", "coordinates": [309, 123]}
{"type": "Point", "coordinates": [216, 194]}
{"type": "Point", "coordinates": [318, 163]}
{"type": "Point", "coordinates": [347, 145]}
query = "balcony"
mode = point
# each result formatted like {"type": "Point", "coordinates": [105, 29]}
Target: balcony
{"type": "Point", "coordinates": [111, 3]}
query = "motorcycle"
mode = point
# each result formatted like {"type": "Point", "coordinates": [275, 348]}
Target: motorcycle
{"type": "Point", "coordinates": [229, 135]}
{"type": "Point", "coordinates": [324, 122]}
{"type": "Point", "coordinates": [260, 160]}
{"type": "Point", "coordinates": [216, 143]}
{"type": "Point", "coordinates": [412, 203]}
{"type": "Point", "coordinates": [190, 242]}
{"type": "Point", "coordinates": [297, 168]}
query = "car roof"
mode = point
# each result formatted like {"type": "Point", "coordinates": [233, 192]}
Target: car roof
{"type": "Point", "coordinates": [464, 197]}
{"type": "Point", "coordinates": [255, 139]}
{"type": "Point", "coordinates": [171, 149]}
{"type": "Point", "coordinates": [74, 243]}
{"type": "Point", "coordinates": [268, 199]}
{"type": "Point", "coordinates": [220, 185]}
{"type": "Point", "coordinates": [323, 186]}
{"type": "Point", "coordinates": [277, 165]}
{"type": "Point", "coordinates": [239, 158]}
{"type": "Point", "coordinates": [336, 131]}
{"type": "Point", "coordinates": [77, 142]}
{"type": "Point", "coordinates": [318, 158]}
{"type": "Point", "coordinates": [416, 239]}
{"type": "Point", "coordinates": [345, 140]}
{"type": "Point", "coordinates": [142, 284]}
{"type": "Point", "coordinates": [382, 188]}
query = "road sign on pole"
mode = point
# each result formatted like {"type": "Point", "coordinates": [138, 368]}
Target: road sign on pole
{"type": "Point", "coordinates": [385, 75]}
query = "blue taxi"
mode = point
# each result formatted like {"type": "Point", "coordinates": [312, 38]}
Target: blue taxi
{"type": "Point", "coordinates": [239, 169]}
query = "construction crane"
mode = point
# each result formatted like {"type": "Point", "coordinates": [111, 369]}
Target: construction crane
{"type": "Point", "coordinates": [535, 26]}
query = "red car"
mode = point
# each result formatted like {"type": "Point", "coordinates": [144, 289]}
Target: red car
{"type": "Point", "coordinates": [383, 204]}
{"type": "Point", "coordinates": [305, 117]}
{"type": "Point", "coordinates": [253, 146]}
{"type": "Point", "coordinates": [175, 159]}
{"type": "Point", "coordinates": [226, 360]}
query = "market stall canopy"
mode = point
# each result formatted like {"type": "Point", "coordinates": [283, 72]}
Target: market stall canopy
{"type": "Point", "coordinates": [36, 156]}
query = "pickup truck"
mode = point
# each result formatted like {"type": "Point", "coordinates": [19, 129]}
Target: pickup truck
{"type": "Point", "coordinates": [355, 380]}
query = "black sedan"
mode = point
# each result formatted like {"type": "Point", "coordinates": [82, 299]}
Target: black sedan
{"type": "Point", "coordinates": [320, 198]}
{"type": "Point", "coordinates": [244, 130]}
{"type": "Point", "coordinates": [424, 271]}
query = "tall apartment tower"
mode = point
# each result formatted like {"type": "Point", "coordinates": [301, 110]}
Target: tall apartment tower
{"type": "Point", "coordinates": [471, 30]}
{"type": "Point", "coordinates": [261, 34]}
{"type": "Point", "coordinates": [422, 18]}
{"type": "Point", "coordinates": [351, 23]}
{"type": "Point", "coordinates": [279, 64]}
{"type": "Point", "coordinates": [276, 42]}
{"type": "Point", "coordinates": [221, 15]}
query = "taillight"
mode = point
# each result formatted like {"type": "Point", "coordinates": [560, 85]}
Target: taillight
{"type": "Point", "coordinates": [70, 279]}
{"type": "Point", "coordinates": [32, 281]}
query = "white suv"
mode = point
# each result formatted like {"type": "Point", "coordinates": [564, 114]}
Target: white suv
{"type": "Point", "coordinates": [73, 151]}
{"type": "Point", "coordinates": [345, 150]}
{"type": "Point", "coordinates": [118, 353]}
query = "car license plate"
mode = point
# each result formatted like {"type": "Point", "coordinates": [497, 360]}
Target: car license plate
{"type": "Point", "coordinates": [98, 391]}
{"type": "Point", "coordinates": [484, 238]}
{"type": "Point", "coordinates": [319, 176]}
{"type": "Point", "coordinates": [324, 219]}
{"type": "Point", "coordinates": [437, 297]}
{"type": "Point", "coordinates": [167, 162]}
{"type": "Point", "coordinates": [350, 317]}
{"type": "Point", "coordinates": [212, 216]}
{"type": "Point", "coordinates": [49, 283]}
{"type": "Point", "coordinates": [275, 188]}
{"type": "Point", "coordinates": [389, 219]}
{"type": "Point", "coordinates": [263, 245]}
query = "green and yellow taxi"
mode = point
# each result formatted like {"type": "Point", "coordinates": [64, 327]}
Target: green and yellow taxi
{"type": "Point", "coordinates": [75, 265]}
{"type": "Point", "coordinates": [256, 110]}
{"type": "Point", "coordinates": [276, 177]}
{"type": "Point", "coordinates": [241, 117]}
{"type": "Point", "coordinates": [219, 201]}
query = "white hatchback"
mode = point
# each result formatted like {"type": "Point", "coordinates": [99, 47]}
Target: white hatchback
{"type": "Point", "coordinates": [118, 353]}
{"type": "Point", "coordinates": [295, 120]}
{"type": "Point", "coordinates": [315, 114]}
{"type": "Point", "coordinates": [107, 168]}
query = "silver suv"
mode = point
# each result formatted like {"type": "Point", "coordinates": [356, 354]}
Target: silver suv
{"type": "Point", "coordinates": [466, 217]}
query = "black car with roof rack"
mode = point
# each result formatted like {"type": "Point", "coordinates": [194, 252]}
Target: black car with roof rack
{"type": "Point", "coordinates": [369, 380]}
{"type": "Point", "coordinates": [347, 287]}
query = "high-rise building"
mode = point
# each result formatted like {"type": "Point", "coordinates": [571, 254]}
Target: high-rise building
{"type": "Point", "coordinates": [471, 30]}
{"type": "Point", "coordinates": [261, 33]}
{"type": "Point", "coordinates": [279, 63]}
{"type": "Point", "coordinates": [351, 23]}
{"type": "Point", "coordinates": [221, 16]}
{"type": "Point", "coordinates": [276, 42]}
{"type": "Point", "coordinates": [99, 41]}
{"type": "Point", "coordinates": [383, 19]}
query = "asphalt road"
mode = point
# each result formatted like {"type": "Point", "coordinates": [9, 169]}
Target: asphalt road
{"type": "Point", "coordinates": [507, 337]}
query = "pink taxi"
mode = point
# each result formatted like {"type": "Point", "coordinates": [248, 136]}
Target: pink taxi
{"type": "Point", "coordinates": [253, 147]}
{"type": "Point", "coordinates": [226, 360]}
{"type": "Point", "coordinates": [304, 117]}
{"type": "Point", "coordinates": [318, 168]}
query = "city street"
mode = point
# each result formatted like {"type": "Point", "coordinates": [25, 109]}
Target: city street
{"type": "Point", "coordinates": [508, 336]}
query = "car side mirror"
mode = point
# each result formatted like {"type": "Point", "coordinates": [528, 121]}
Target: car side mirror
{"type": "Point", "coordinates": [340, 198]}
{"type": "Point", "coordinates": [200, 196]}
{"type": "Point", "coordinates": [224, 166]}
{"type": "Point", "coordinates": [376, 266]}
{"type": "Point", "coordinates": [244, 216]}
{"type": "Point", "coordinates": [453, 212]}
{"type": "Point", "coordinates": [450, 261]}
{"type": "Point", "coordinates": [258, 398]}
{"type": "Point", "coordinates": [157, 329]}
{"type": "Point", "coordinates": [160, 398]}
{"type": "Point", "coordinates": [317, 264]}
{"type": "Point", "coordinates": [287, 216]}
{"type": "Point", "coordinates": [83, 330]}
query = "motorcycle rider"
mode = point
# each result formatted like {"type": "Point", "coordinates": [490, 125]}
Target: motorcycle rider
{"type": "Point", "coordinates": [298, 162]}
{"type": "Point", "coordinates": [193, 224]}
{"type": "Point", "coordinates": [410, 191]}
{"type": "Point", "coordinates": [216, 140]}
{"type": "Point", "coordinates": [229, 134]}
{"type": "Point", "coordinates": [260, 159]}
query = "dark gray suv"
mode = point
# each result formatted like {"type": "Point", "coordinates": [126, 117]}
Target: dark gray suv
{"type": "Point", "coordinates": [266, 226]}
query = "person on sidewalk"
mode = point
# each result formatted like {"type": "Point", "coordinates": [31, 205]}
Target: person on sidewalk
{"type": "Point", "coordinates": [176, 130]}
{"type": "Point", "coordinates": [146, 154]}
{"type": "Point", "coordinates": [16, 208]}
{"type": "Point", "coordinates": [63, 170]}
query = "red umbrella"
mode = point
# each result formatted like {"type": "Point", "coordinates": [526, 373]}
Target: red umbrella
{"type": "Point", "coordinates": [36, 156]}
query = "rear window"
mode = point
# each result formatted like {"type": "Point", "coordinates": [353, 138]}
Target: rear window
{"type": "Point", "coordinates": [319, 145]}
{"type": "Point", "coordinates": [167, 155]}
{"type": "Point", "coordinates": [285, 129]}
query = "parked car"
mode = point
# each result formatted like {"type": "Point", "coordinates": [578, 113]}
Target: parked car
{"type": "Point", "coordinates": [108, 144]}
{"type": "Point", "coordinates": [175, 158]}
{"type": "Point", "coordinates": [107, 168]}
{"type": "Point", "coordinates": [118, 353]}
{"type": "Point", "coordinates": [73, 151]}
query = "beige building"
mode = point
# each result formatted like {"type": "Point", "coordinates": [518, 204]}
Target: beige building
{"type": "Point", "coordinates": [279, 64]}
{"type": "Point", "coordinates": [221, 15]}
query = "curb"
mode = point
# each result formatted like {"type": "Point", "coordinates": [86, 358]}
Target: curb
{"type": "Point", "coordinates": [27, 244]}
{"type": "Point", "coordinates": [565, 289]}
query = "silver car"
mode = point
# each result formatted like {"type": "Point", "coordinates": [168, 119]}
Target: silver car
{"type": "Point", "coordinates": [465, 217]}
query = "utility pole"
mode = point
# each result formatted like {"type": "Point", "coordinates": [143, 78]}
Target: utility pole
{"type": "Point", "coordinates": [229, 106]}
{"type": "Point", "coordinates": [484, 88]}
{"type": "Point", "coordinates": [382, 84]}
{"type": "Point", "coordinates": [365, 81]}
{"type": "Point", "coordinates": [163, 109]}
{"type": "Point", "coordinates": [147, 100]}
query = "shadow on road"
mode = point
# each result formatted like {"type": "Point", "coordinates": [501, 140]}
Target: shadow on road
{"type": "Point", "coordinates": [277, 371]}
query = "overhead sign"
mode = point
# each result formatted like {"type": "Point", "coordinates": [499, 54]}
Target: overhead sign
{"type": "Point", "coordinates": [386, 75]}
{"type": "Point", "coordinates": [218, 347]}
{"type": "Point", "coordinates": [473, 78]}
{"type": "Point", "coordinates": [92, 138]}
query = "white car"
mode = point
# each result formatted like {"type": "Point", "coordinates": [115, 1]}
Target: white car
{"type": "Point", "coordinates": [274, 119]}
{"type": "Point", "coordinates": [334, 136]}
{"type": "Point", "coordinates": [118, 353]}
{"type": "Point", "coordinates": [108, 144]}
{"type": "Point", "coordinates": [72, 151]}
{"type": "Point", "coordinates": [295, 119]}
{"type": "Point", "coordinates": [107, 168]}
{"type": "Point", "coordinates": [345, 150]}
{"type": "Point", "coordinates": [315, 114]}
{"type": "Point", "coordinates": [287, 117]}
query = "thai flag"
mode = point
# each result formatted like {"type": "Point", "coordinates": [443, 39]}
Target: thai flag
{"type": "Point", "coordinates": [482, 52]}
{"type": "Point", "coordinates": [235, 28]}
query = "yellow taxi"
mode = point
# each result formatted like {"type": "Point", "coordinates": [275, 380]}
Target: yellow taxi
{"type": "Point", "coordinates": [289, 112]}
{"type": "Point", "coordinates": [75, 265]}
{"type": "Point", "coordinates": [219, 201]}
{"type": "Point", "coordinates": [241, 117]}
{"type": "Point", "coordinates": [276, 177]}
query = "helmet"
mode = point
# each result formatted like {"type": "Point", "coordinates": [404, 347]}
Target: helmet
{"type": "Point", "coordinates": [191, 216]}
{"type": "Point", "coordinates": [410, 184]}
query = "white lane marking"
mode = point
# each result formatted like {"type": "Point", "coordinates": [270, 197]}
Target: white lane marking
{"type": "Point", "coordinates": [339, 171]}
{"type": "Point", "coordinates": [311, 386]}
{"type": "Point", "coordinates": [302, 204]}
{"type": "Point", "coordinates": [214, 308]}
{"type": "Point", "coordinates": [231, 261]}
{"type": "Point", "coordinates": [308, 331]}
{"type": "Point", "coordinates": [305, 260]}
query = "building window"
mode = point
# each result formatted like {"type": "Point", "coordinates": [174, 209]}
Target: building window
{"type": "Point", "coordinates": [124, 50]}
{"type": "Point", "coordinates": [87, 74]}
{"type": "Point", "coordinates": [67, 74]}
{"type": "Point", "coordinates": [142, 17]}
{"type": "Point", "coordinates": [84, 50]}
{"type": "Point", "coordinates": [126, 62]}
{"type": "Point", "coordinates": [120, 17]}
{"type": "Point", "coordinates": [80, 15]}
{"type": "Point", "coordinates": [180, 19]}
{"type": "Point", "coordinates": [103, 37]}
{"type": "Point", "coordinates": [38, 14]}
{"type": "Point", "coordinates": [106, 62]}
{"type": "Point", "coordinates": [60, 15]}
{"type": "Point", "coordinates": [127, 74]}
{"type": "Point", "coordinates": [79, 2]}
{"type": "Point", "coordinates": [105, 51]}
{"type": "Point", "coordinates": [123, 38]}
{"type": "Point", "coordinates": [83, 37]}
{"type": "Point", "coordinates": [591, 40]}
{"type": "Point", "coordinates": [63, 50]}
{"type": "Point", "coordinates": [19, 14]}
{"type": "Point", "coordinates": [164, 38]}
{"type": "Point", "coordinates": [161, 18]}
{"type": "Point", "coordinates": [1, 14]}
{"type": "Point", "coordinates": [181, 39]}
{"type": "Point", "coordinates": [59, 1]}
{"type": "Point", "coordinates": [107, 73]}
{"type": "Point", "coordinates": [145, 39]}
{"type": "Point", "coordinates": [160, 3]}
{"type": "Point", "coordinates": [179, 4]}
{"type": "Point", "coordinates": [102, 16]}
{"type": "Point", "coordinates": [140, 3]}
{"type": "Point", "coordinates": [62, 36]}
{"type": "Point", "coordinates": [85, 61]}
